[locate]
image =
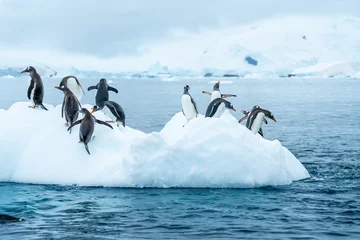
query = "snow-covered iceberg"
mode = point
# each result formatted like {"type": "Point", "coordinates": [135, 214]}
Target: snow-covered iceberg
{"type": "Point", "coordinates": [36, 148]}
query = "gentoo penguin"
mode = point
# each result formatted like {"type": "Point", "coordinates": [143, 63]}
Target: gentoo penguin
{"type": "Point", "coordinates": [102, 93]}
{"type": "Point", "coordinates": [188, 105]}
{"type": "Point", "coordinates": [213, 108]}
{"type": "Point", "coordinates": [246, 113]}
{"type": "Point", "coordinates": [36, 89]}
{"type": "Point", "coordinates": [73, 84]}
{"type": "Point", "coordinates": [216, 93]}
{"type": "Point", "coordinates": [8, 218]}
{"type": "Point", "coordinates": [87, 127]}
{"type": "Point", "coordinates": [70, 106]}
{"type": "Point", "coordinates": [113, 111]}
{"type": "Point", "coordinates": [256, 117]}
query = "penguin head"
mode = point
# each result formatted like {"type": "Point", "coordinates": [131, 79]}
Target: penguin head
{"type": "Point", "coordinates": [84, 111]}
{"type": "Point", "coordinates": [216, 86]}
{"type": "Point", "coordinates": [103, 80]}
{"type": "Point", "coordinates": [30, 70]}
{"type": "Point", "coordinates": [228, 105]}
{"type": "Point", "coordinates": [186, 88]}
{"type": "Point", "coordinates": [62, 88]}
{"type": "Point", "coordinates": [94, 109]}
{"type": "Point", "coordinates": [269, 115]}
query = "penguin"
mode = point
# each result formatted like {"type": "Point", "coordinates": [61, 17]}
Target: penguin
{"type": "Point", "coordinates": [113, 111]}
{"type": "Point", "coordinates": [70, 105]}
{"type": "Point", "coordinates": [256, 117]}
{"type": "Point", "coordinates": [102, 93]}
{"type": "Point", "coordinates": [246, 113]}
{"type": "Point", "coordinates": [8, 218]}
{"type": "Point", "coordinates": [188, 105]}
{"type": "Point", "coordinates": [35, 91]}
{"type": "Point", "coordinates": [74, 85]}
{"type": "Point", "coordinates": [87, 127]}
{"type": "Point", "coordinates": [213, 108]}
{"type": "Point", "coordinates": [216, 93]}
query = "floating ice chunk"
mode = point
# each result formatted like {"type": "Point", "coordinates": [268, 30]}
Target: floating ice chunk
{"type": "Point", "coordinates": [36, 148]}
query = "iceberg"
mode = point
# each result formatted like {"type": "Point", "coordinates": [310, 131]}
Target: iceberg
{"type": "Point", "coordinates": [206, 153]}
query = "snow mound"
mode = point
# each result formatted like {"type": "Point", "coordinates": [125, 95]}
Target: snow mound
{"type": "Point", "coordinates": [36, 148]}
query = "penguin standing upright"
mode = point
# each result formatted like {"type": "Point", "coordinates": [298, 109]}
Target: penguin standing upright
{"type": "Point", "coordinates": [70, 106]}
{"type": "Point", "coordinates": [256, 117]}
{"type": "Point", "coordinates": [189, 108]}
{"type": "Point", "coordinates": [113, 110]}
{"type": "Point", "coordinates": [214, 107]}
{"type": "Point", "coordinates": [216, 93]}
{"type": "Point", "coordinates": [73, 84]}
{"type": "Point", "coordinates": [87, 127]}
{"type": "Point", "coordinates": [102, 93]}
{"type": "Point", "coordinates": [36, 89]}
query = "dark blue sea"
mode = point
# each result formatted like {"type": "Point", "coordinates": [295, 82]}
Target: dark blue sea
{"type": "Point", "coordinates": [318, 121]}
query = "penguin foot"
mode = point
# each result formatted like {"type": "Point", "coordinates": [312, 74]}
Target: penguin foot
{"type": "Point", "coordinates": [32, 106]}
{"type": "Point", "coordinates": [109, 121]}
{"type": "Point", "coordinates": [67, 124]}
{"type": "Point", "coordinates": [92, 139]}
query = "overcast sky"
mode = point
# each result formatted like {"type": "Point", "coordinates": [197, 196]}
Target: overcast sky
{"type": "Point", "coordinates": [107, 28]}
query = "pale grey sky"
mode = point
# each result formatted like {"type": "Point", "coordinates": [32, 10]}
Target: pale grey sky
{"type": "Point", "coordinates": [110, 28]}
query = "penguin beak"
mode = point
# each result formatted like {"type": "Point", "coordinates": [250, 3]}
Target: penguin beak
{"type": "Point", "coordinates": [218, 82]}
{"type": "Point", "coordinates": [57, 87]}
{"type": "Point", "coordinates": [233, 109]}
{"type": "Point", "coordinates": [273, 119]}
{"type": "Point", "coordinates": [24, 71]}
{"type": "Point", "coordinates": [92, 110]}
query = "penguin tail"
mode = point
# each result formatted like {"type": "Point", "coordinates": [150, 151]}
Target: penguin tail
{"type": "Point", "coordinates": [43, 107]}
{"type": "Point", "coordinates": [87, 148]}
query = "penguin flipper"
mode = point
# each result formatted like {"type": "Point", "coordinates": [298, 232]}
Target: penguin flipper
{"type": "Point", "coordinates": [227, 95]}
{"type": "Point", "coordinates": [207, 93]}
{"type": "Point", "coordinates": [87, 148]}
{"type": "Point", "coordinates": [92, 87]}
{"type": "Point", "coordinates": [30, 89]}
{"type": "Point", "coordinates": [243, 118]}
{"type": "Point", "coordinates": [75, 123]}
{"type": "Point", "coordinates": [193, 102]}
{"type": "Point", "coordinates": [77, 81]}
{"type": "Point", "coordinates": [261, 132]}
{"type": "Point", "coordinates": [112, 89]}
{"type": "Point", "coordinates": [103, 123]}
{"type": "Point", "coordinates": [265, 121]}
{"type": "Point", "coordinates": [62, 108]}
{"type": "Point", "coordinates": [43, 107]}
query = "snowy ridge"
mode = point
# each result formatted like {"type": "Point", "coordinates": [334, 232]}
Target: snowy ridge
{"type": "Point", "coordinates": [36, 148]}
{"type": "Point", "coordinates": [276, 47]}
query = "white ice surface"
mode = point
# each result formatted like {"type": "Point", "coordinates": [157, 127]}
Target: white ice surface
{"type": "Point", "coordinates": [207, 152]}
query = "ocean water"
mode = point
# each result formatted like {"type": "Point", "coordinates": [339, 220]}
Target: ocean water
{"type": "Point", "coordinates": [318, 121]}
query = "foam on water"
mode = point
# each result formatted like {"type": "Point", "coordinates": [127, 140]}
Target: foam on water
{"type": "Point", "coordinates": [36, 148]}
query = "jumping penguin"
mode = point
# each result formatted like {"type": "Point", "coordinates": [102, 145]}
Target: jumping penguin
{"type": "Point", "coordinates": [188, 105]}
{"type": "Point", "coordinates": [113, 111]}
{"type": "Point", "coordinates": [214, 107]}
{"type": "Point", "coordinates": [102, 93]}
{"type": "Point", "coordinates": [87, 127]}
{"type": "Point", "coordinates": [70, 106]}
{"type": "Point", "coordinates": [73, 84]}
{"type": "Point", "coordinates": [255, 118]}
{"type": "Point", "coordinates": [36, 89]}
{"type": "Point", "coordinates": [216, 93]}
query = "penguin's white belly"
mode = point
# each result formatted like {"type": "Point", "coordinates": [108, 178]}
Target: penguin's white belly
{"type": "Point", "coordinates": [108, 113]}
{"type": "Point", "coordinates": [32, 94]}
{"type": "Point", "coordinates": [220, 110]}
{"type": "Point", "coordinates": [188, 107]}
{"type": "Point", "coordinates": [74, 88]}
{"type": "Point", "coordinates": [215, 95]}
{"type": "Point", "coordinates": [257, 122]}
